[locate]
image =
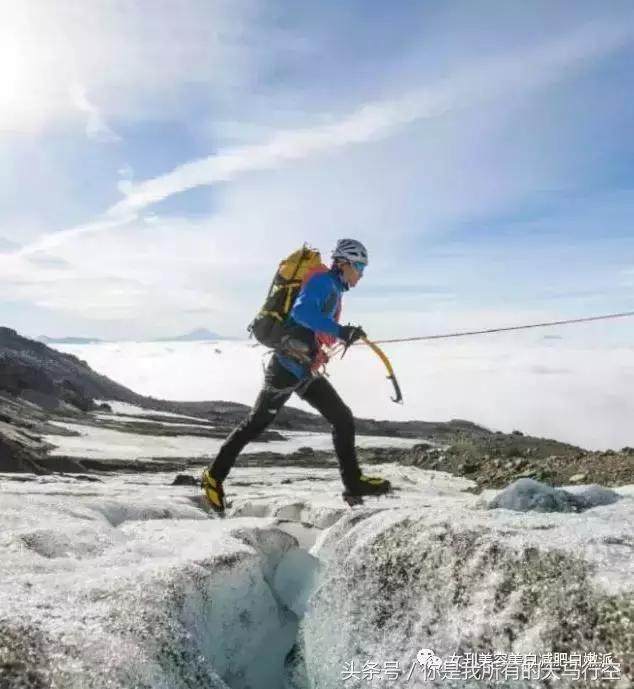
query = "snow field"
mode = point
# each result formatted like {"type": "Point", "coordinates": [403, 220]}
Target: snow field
{"type": "Point", "coordinates": [128, 584]}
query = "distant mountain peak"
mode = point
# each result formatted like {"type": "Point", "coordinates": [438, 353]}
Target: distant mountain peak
{"type": "Point", "coordinates": [67, 340]}
{"type": "Point", "coordinates": [196, 335]}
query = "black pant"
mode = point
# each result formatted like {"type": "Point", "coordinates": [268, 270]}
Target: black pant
{"type": "Point", "coordinates": [279, 385]}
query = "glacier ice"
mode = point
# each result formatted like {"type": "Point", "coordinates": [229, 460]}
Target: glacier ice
{"type": "Point", "coordinates": [128, 584]}
{"type": "Point", "coordinates": [526, 495]}
{"type": "Point", "coordinates": [295, 578]}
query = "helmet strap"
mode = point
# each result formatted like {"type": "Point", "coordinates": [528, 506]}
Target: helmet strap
{"type": "Point", "coordinates": [336, 269]}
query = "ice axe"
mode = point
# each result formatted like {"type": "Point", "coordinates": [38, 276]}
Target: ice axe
{"type": "Point", "coordinates": [391, 375]}
{"type": "Point", "coordinates": [383, 356]}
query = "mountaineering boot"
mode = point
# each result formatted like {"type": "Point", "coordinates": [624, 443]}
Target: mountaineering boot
{"type": "Point", "coordinates": [365, 485]}
{"type": "Point", "coordinates": [214, 492]}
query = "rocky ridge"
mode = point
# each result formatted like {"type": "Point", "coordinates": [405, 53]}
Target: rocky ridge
{"type": "Point", "coordinates": [40, 386]}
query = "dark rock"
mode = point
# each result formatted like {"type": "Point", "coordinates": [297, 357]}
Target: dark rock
{"type": "Point", "coordinates": [21, 478]}
{"type": "Point", "coordinates": [68, 465]}
{"type": "Point", "coordinates": [46, 401]}
{"type": "Point", "coordinates": [186, 480]}
{"type": "Point", "coordinates": [86, 477]}
{"type": "Point", "coordinates": [132, 465]}
{"type": "Point", "coordinates": [27, 364]}
{"type": "Point", "coordinates": [15, 458]}
{"type": "Point", "coordinates": [72, 394]}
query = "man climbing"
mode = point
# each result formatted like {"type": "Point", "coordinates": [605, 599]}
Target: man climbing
{"type": "Point", "coordinates": [293, 368]}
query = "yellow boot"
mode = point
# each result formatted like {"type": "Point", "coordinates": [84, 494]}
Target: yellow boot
{"type": "Point", "coordinates": [214, 492]}
{"type": "Point", "coordinates": [365, 485]}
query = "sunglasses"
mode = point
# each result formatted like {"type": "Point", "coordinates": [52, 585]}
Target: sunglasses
{"type": "Point", "coordinates": [358, 266]}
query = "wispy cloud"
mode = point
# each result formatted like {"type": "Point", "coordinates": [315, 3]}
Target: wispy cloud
{"type": "Point", "coordinates": [134, 276]}
{"type": "Point", "coordinates": [517, 72]}
{"type": "Point", "coordinates": [172, 259]}
{"type": "Point", "coordinates": [96, 125]}
{"type": "Point", "coordinates": [55, 239]}
{"type": "Point", "coordinates": [369, 122]}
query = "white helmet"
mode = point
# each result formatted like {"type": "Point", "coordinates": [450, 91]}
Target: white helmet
{"type": "Point", "coordinates": [350, 250]}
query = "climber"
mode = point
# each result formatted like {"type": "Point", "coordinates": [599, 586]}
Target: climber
{"type": "Point", "coordinates": [312, 321]}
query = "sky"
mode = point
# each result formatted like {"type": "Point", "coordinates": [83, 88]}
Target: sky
{"type": "Point", "coordinates": [160, 158]}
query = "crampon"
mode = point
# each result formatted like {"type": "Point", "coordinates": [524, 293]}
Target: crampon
{"type": "Point", "coordinates": [367, 486]}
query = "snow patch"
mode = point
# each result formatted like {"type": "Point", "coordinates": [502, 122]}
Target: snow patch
{"type": "Point", "coordinates": [104, 443]}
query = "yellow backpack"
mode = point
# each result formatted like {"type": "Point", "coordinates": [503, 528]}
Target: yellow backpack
{"type": "Point", "coordinates": [267, 327]}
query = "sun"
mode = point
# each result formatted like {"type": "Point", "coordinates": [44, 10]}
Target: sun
{"type": "Point", "coordinates": [33, 73]}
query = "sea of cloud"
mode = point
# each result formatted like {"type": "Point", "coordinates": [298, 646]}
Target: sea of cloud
{"type": "Point", "coordinates": [546, 387]}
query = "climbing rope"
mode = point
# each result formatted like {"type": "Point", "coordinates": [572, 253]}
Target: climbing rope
{"type": "Point", "coordinates": [333, 351]}
{"type": "Point", "coordinates": [501, 330]}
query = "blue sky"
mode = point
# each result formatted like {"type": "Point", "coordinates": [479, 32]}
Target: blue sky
{"type": "Point", "coordinates": [157, 164]}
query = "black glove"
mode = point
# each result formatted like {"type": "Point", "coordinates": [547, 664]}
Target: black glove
{"type": "Point", "coordinates": [351, 333]}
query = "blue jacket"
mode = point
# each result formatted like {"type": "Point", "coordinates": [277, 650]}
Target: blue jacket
{"type": "Point", "coordinates": [314, 312]}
